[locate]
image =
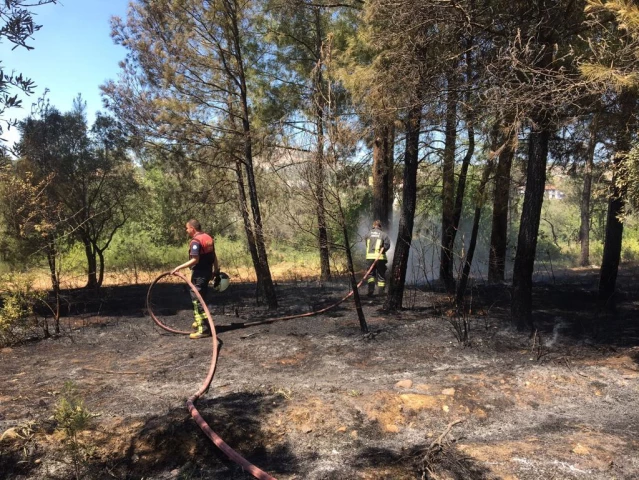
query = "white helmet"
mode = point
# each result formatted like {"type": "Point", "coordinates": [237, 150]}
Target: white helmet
{"type": "Point", "coordinates": [224, 282]}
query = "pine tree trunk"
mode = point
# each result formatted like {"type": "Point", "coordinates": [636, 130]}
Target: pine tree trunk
{"type": "Point", "coordinates": [390, 174]}
{"type": "Point", "coordinates": [409, 197]}
{"type": "Point", "coordinates": [52, 253]}
{"type": "Point", "coordinates": [461, 186]}
{"type": "Point", "coordinates": [538, 141]}
{"type": "Point", "coordinates": [612, 247]}
{"type": "Point", "coordinates": [51, 260]}
{"type": "Point", "coordinates": [614, 225]}
{"type": "Point", "coordinates": [244, 209]}
{"type": "Point", "coordinates": [499, 228]}
{"type": "Point", "coordinates": [448, 188]}
{"type": "Point", "coordinates": [468, 261]}
{"type": "Point", "coordinates": [246, 218]}
{"type": "Point", "coordinates": [584, 227]}
{"type": "Point", "coordinates": [463, 172]}
{"type": "Point", "coordinates": [264, 269]}
{"type": "Point", "coordinates": [383, 173]}
{"type": "Point", "coordinates": [267, 281]}
{"type": "Point", "coordinates": [92, 279]}
{"type": "Point", "coordinates": [325, 261]}
{"type": "Point", "coordinates": [248, 229]}
{"type": "Point", "coordinates": [351, 271]}
{"type": "Point", "coordinates": [101, 267]}
{"type": "Point", "coordinates": [521, 307]}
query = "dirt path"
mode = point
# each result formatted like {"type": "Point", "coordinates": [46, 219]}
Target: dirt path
{"type": "Point", "coordinates": [314, 399]}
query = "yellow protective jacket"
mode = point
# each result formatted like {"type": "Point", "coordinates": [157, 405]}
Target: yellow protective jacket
{"type": "Point", "coordinates": [376, 239]}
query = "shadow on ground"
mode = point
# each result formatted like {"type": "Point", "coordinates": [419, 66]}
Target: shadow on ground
{"type": "Point", "coordinates": [567, 305]}
{"type": "Point", "coordinates": [173, 442]}
{"type": "Point", "coordinates": [570, 308]}
{"type": "Point", "coordinates": [425, 461]}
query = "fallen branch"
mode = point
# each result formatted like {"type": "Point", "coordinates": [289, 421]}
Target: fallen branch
{"type": "Point", "coordinates": [439, 440]}
{"type": "Point", "coordinates": [436, 447]}
{"type": "Point", "coordinates": [111, 372]}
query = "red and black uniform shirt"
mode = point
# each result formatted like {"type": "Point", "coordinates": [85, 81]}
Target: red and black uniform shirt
{"type": "Point", "coordinates": [202, 246]}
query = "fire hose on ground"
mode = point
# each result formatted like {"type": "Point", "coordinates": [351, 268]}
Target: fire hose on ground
{"type": "Point", "coordinates": [190, 403]}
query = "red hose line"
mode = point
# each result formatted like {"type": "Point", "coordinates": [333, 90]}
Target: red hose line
{"type": "Point", "coordinates": [315, 312]}
{"type": "Point", "coordinates": [258, 322]}
{"type": "Point", "coordinates": [156, 319]}
{"type": "Point", "coordinates": [190, 403]}
{"type": "Point", "coordinates": [222, 445]}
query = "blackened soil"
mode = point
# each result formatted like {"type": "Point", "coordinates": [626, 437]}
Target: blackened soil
{"type": "Point", "coordinates": [314, 398]}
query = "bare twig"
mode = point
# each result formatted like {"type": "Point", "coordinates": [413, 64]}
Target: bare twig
{"type": "Point", "coordinates": [438, 442]}
{"type": "Point", "coordinates": [112, 372]}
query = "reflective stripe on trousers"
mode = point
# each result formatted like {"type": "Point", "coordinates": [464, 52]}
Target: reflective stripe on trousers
{"type": "Point", "coordinates": [201, 284]}
{"type": "Point", "coordinates": [200, 317]}
{"type": "Point", "coordinates": [378, 274]}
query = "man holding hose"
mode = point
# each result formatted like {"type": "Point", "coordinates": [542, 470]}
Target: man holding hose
{"type": "Point", "coordinates": [376, 240]}
{"type": "Point", "coordinates": [204, 266]}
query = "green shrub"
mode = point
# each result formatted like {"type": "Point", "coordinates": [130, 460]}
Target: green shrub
{"type": "Point", "coordinates": [230, 253]}
{"type": "Point", "coordinates": [137, 251]}
{"type": "Point", "coordinates": [73, 418]}
{"type": "Point", "coordinates": [70, 413]}
{"type": "Point", "coordinates": [17, 317]}
{"type": "Point", "coordinates": [630, 251]}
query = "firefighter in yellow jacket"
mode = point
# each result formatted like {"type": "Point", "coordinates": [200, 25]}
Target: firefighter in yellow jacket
{"type": "Point", "coordinates": [376, 241]}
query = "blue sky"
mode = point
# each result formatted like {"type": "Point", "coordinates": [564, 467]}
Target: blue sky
{"type": "Point", "coordinates": [73, 53]}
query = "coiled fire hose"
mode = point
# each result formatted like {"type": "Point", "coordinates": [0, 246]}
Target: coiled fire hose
{"type": "Point", "coordinates": [190, 403]}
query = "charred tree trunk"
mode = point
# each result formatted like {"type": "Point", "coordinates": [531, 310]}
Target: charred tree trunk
{"type": "Point", "coordinates": [468, 260]}
{"type": "Point", "coordinates": [383, 162]}
{"type": "Point", "coordinates": [612, 247]}
{"type": "Point", "coordinates": [325, 261]}
{"type": "Point", "coordinates": [246, 219]}
{"type": "Point", "coordinates": [100, 253]}
{"type": "Point", "coordinates": [448, 188]}
{"type": "Point", "coordinates": [614, 225]}
{"type": "Point", "coordinates": [52, 254]}
{"type": "Point", "coordinates": [499, 228]}
{"type": "Point", "coordinates": [544, 42]}
{"type": "Point", "coordinates": [409, 197]}
{"type": "Point", "coordinates": [351, 269]}
{"type": "Point", "coordinates": [390, 168]}
{"type": "Point", "coordinates": [521, 308]}
{"type": "Point", "coordinates": [584, 227]}
{"type": "Point", "coordinates": [244, 209]}
{"type": "Point", "coordinates": [461, 185]}
{"type": "Point", "coordinates": [264, 271]}
{"type": "Point", "coordinates": [463, 172]}
{"type": "Point", "coordinates": [92, 278]}
{"type": "Point", "coordinates": [248, 229]}
{"type": "Point", "coordinates": [341, 218]}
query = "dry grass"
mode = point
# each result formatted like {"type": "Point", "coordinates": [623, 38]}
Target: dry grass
{"type": "Point", "coordinates": [283, 272]}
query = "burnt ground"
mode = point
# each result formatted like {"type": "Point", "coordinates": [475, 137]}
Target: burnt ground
{"type": "Point", "coordinates": [313, 398]}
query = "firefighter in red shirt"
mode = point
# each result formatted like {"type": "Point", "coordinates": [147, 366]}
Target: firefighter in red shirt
{"type": "Point", "coordinates": [204, 266]}
{"type": "Point", "coordinates": [377, 240]}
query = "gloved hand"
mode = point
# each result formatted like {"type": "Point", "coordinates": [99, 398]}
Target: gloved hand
{"type": "Point", "coordinates": [216, 280]}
